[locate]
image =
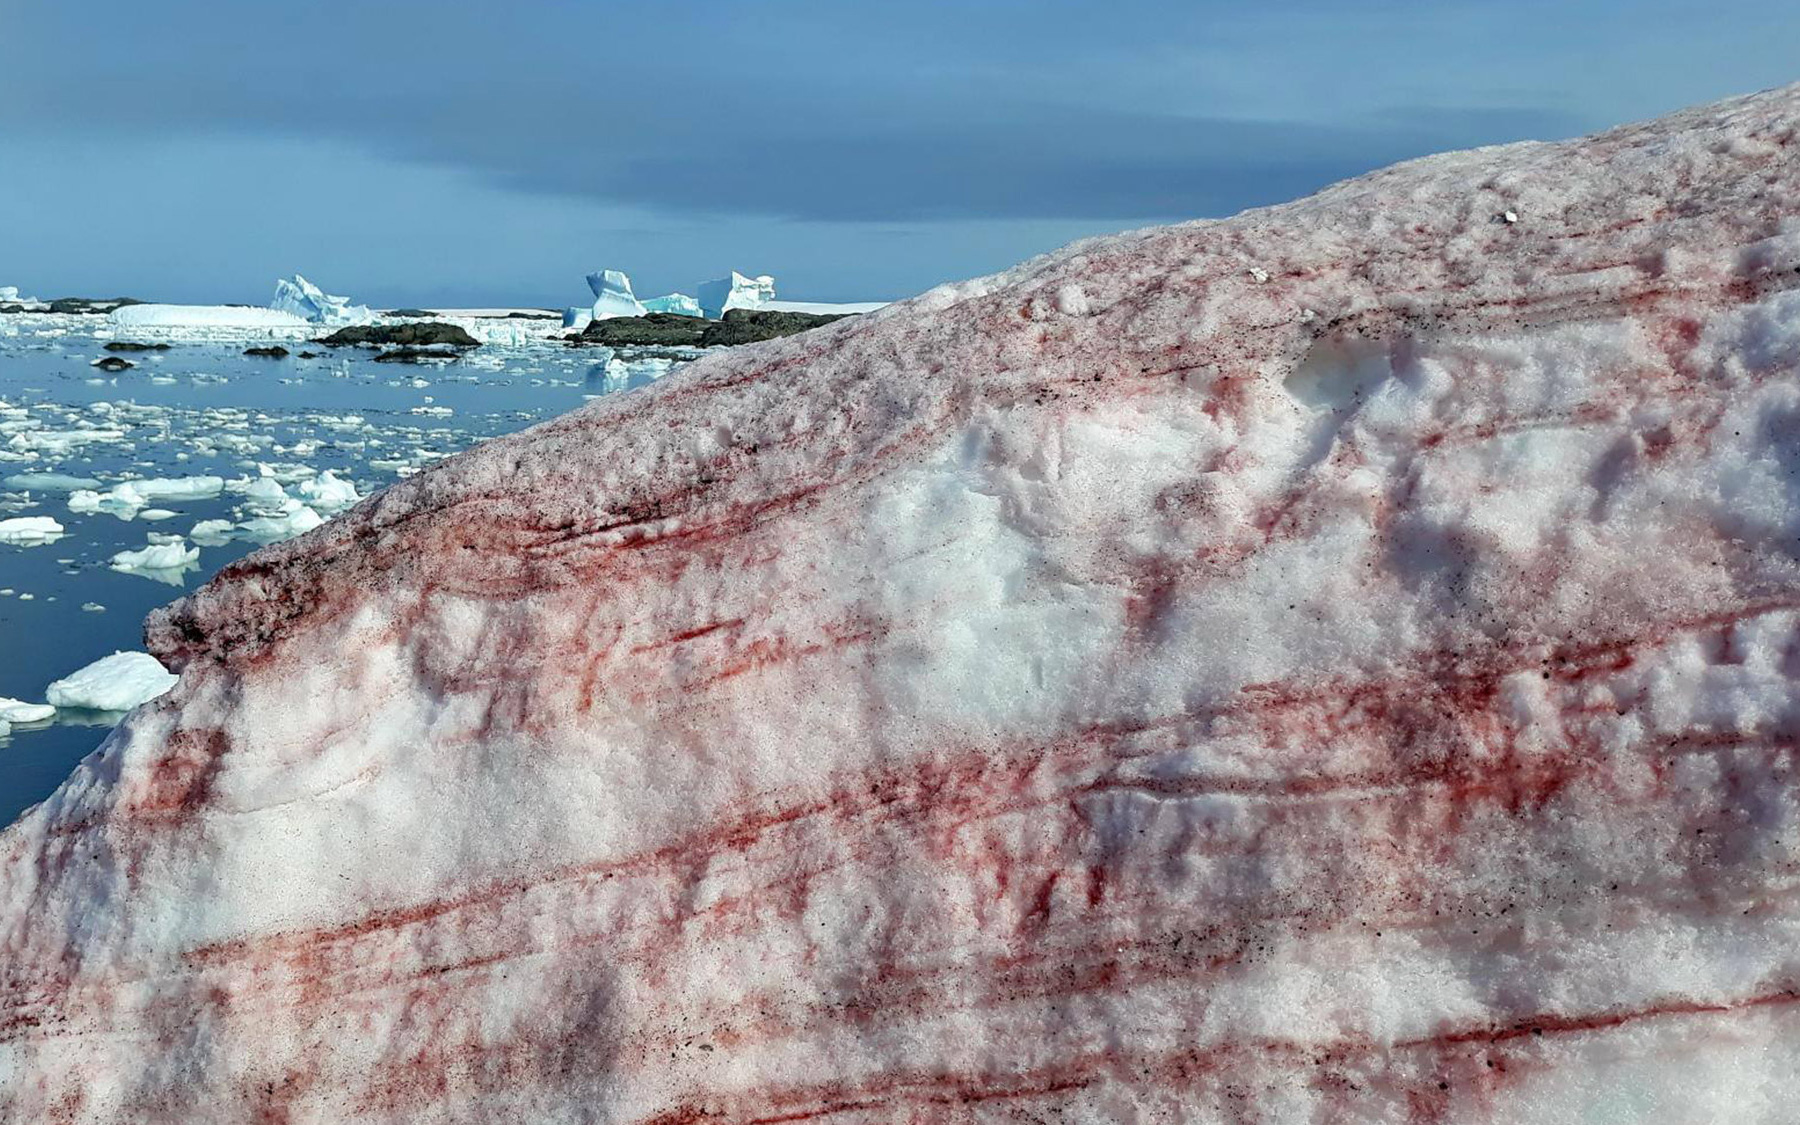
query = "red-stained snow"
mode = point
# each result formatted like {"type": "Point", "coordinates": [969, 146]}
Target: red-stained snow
{"type": "Point", "coordinates": [1332, 664]}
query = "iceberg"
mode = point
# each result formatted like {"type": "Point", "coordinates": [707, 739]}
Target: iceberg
{"type": "Point", "coordinates": [213, 533]}
{"type": "Point", "coordinates": [119, 682]}
{"type": "Point", "coordinates": [612, 295]}
{"type": "Point", "coordinates": [735, 292]}
{"type": "Point", "coordinates": [30, 531]}
{"type": "Point", "coordinates": [680, 304]}
{"type": "Point", "coordinates": [577, 318]}
{"type": "Point", "coordinates": [283, 521]}
{"type": "Point", "coordinates": [299, 297]}
{"type": "Point", "coordinates": [205, 316]}
{"type": "Point", "coordinates": [1339, 663]}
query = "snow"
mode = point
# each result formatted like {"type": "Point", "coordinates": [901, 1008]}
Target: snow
{"type": "Point", "coordinates": [824, 308]}
{"type": "Point", "coordinates": [204, 316]}
{"type": "Point", "coordinates": [612, 295]}
{"type": "Point", "coordinates": [735, 292]}
{"type": "Point", "coordinates": [30, 531]}
{"type": "Point", "coordinates": [680, 304]}
{"type": "Point", "coordinates": [299, 297]}
{"type": "Point", "coordinates": [118, 682]}
{"type": "Point", "coordinates": [1336, 663]}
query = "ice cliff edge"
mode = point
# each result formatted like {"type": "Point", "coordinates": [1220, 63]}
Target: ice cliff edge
{"type": "Point", "coordinates": [1337, 662]}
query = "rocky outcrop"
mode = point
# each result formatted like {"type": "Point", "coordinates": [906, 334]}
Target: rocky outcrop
{"type": "Point", "coordinates": [1332, 664]}
{"type": "Point", "coordinates": [428, 334]}
{"type": "Point", "coordinates": [739, 326]}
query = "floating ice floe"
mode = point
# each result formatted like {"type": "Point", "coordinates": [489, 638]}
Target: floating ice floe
{"type": "Point", "coordinates": [49, 482]}
{"type": "Point", "coordinates": [612, 295]}
{"type": "Point", "coordinates": [327, 493]}
{"type": "Point", "coordinates": [300, 297]}
{"type": "Point", "coordinates": [61, 442]}
{"type": "Point", "coordinates": [212, 533]}
{"type": "Point", "coordinates": [18, 711]}
{"type": "Point", "coordinates": [129, 499]}
{"type": "Point", "coordinates": [157, 556]}
{"type": "Point", "coordinates": [678, 303]}
{"type": "Point", "coordinates": [113, 683]}
{"type": "Point", "coordinates": [735, 292]}
{"type": "Point", "coordinates": [30, 531]}
{"type": "Point", "coordinates": [290, 519]}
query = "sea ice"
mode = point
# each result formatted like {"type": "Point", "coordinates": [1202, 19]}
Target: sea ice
{"type": "Point", "coordinates": [327, 493]}
{"type": "Point", "coordinates": [612, 295]}
{"type": "Point", "coordinates": [735, 292]}
{"type": "Point", "coordinates": [30, 531]}
{"type": "Point", "coordinates": [118, 682]}
{"type": "Point", "coordinates": [212, 533]}
{"type": "Point", "coordinates": [50, 482]}
{"type": "Point", "coordinates": [157, 557]}
{"type": "Point", "coordinates": [285, 521]}
{"type": "Point", "coordinates": [299, 297]}
{"type": "Point", "coordinates": [17, 711]}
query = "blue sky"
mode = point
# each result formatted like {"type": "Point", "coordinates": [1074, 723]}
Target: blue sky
{"type": "Point", "coordinates": [412, 153]}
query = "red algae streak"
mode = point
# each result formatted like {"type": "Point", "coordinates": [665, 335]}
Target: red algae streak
{"type": "Point", "coordinates": [1334, 664]}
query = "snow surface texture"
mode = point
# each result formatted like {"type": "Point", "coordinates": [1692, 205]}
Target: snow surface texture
{"type": "Point", "coordinates": [1332, 664]}
{"type": "Point", "coordinates": [303, 299]}
{"type": "Point", "coordinates": [735, 292]}
{"type": "Point", "coordinates": [612, 295]}
{"type": "Point", "coordinates": [204, 316]}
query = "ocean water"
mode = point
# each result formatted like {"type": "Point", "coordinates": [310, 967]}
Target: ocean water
{"type": "Point", "coordinates": [207, 409]}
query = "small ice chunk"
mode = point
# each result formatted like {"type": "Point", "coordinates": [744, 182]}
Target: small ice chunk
{"type": "Point", "coordinates": [328, 494]}
{"type": "Point", "coordinates": [212, 533]}
{"type": "Point", "coordinates": [612, 295]}
{"type": "Point", "coordinates": [293, 518]}
{"type": "Point", "coordinates": [157, 556]}
{"type": "Point", "coordinates": [18, 711]}
{"type": "Point", "coordinates": [30, 531]}
{"type": "Point", "coordinates": [113, 683]}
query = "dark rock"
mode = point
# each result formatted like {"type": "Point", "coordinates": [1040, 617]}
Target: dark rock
{"type": "Point", "coordinates": [311, 355]}
{"type": "Point", "coordinates": [748, 326]}
{"type": "Point", "coordinates": [114, 363]}
{"type": "Point", "coordinates": [92, 306]}
{"type": "Point", "coordinates": [415, 355]}
{"type": "Point", "coordinates": [409, 314]}
{"type": "Point", "coordinates": [132, 346]}
{"type": "Point", "coordinates": [666, 329]}
{"type": "Point", "coordinates": [533, 316]}
{"type": "Point", "coordinates": [273, 351]}
{"type": "Point", "coordinates": [740, 326]}
{"type": "Point", "coordinates": [406, 335]}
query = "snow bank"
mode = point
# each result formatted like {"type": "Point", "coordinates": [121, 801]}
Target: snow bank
{"type": "Point", "coordinates": [735, 292]}
{"type": "Point", "coordinates": [299, 297]}
{"type": "Point", "coordinates": [118, 682]}
{"type": "Point", "coordinates": [1337, 663]}
{"type": "Point", "coordinates": [612, 295]}
{"type": "Point", "coordinates": [824, 308]}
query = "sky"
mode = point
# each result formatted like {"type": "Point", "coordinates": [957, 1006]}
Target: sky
{"type": "Point", "coordinates": [406, 153]}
